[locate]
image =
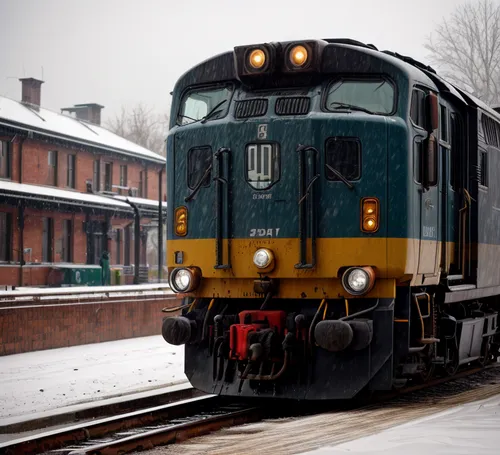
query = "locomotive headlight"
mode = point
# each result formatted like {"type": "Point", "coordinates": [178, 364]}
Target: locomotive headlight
{"type": "Point", "coordinates": [298, 56]}
{"type": "Point", "coordinates": [263, 258]}
{"type": "Point", "coordinates": [185, 279]}
{"type": "Point", "coordinates": [369, 214]}
{"type": "Point", "coordinates": [257, 58]}
{"type": "Point", "coordinates": [358, 280]}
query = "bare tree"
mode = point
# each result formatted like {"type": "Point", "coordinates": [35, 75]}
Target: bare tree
{"type": "Point", "coordinates": [466, 47]}
{"type": "Point", "coordinates": [142, 126]}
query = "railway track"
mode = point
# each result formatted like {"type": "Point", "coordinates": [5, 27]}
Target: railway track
{"type": "Point", "coordinates": [102, 409]}
{"type": "Point", "coordinates": [139, 429]}
{"type": "Point", "coordinates": [186, 419]}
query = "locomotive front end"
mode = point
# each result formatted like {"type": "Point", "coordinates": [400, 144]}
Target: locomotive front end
{"type": "Point", "coordinates": [280, 163]}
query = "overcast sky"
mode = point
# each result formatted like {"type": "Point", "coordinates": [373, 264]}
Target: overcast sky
{"type": "Point", "coordinates": [122, 52]}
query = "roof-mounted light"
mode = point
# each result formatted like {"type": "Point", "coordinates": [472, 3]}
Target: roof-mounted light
{"type": "Point", "coordinates": [303, 56]}
{"type": "Point", "coordinates": [298, 56]}
{"type": "Point", "coordinates": [257, 58]}
{"type": "Point", "coordinates": [254, 61]}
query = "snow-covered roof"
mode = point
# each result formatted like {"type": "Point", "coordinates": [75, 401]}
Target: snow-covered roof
{"type": "Point", "coordinates": [70, 197]}
{"type": "Point", "coordinates": [44, 121]}
{"type": "Point", "coordinates": [142, 201]}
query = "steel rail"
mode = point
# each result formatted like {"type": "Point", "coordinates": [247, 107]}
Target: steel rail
{"type": "Point", "coordinates": [107, 407]}
{"type": "Point", "coordinates": [173, 433]}
{"type": "Point", "coordinates": [74, 434]}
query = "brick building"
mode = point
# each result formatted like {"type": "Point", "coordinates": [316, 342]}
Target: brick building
{"type": "Point", "coordinates": [69, 190]}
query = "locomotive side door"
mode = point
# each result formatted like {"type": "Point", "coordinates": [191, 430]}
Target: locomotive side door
{"type": "Point", "coordinates": [449, 151]}
{"type": "Point", "coordinates": [424, 113]}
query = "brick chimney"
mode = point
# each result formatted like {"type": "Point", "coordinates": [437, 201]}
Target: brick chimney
{"type": "Point", "coordinates": [90, 112]}
{"type": "Point", "coordinates": [31, 91]}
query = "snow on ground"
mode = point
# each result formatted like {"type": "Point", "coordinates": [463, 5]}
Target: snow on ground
{"type": "Point", "coordinates": [40, 381]}
{"type": "Point", "coordinates": [470, 429]}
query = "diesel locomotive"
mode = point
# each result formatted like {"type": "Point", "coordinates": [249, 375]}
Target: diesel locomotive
{"type": "Point", "coordinates": [333, 222]}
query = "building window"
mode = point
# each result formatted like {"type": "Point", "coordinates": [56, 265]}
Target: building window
{"type": "Point", "coordinates": [143, 184]}
{"type": "Point", "coordinates": [123, 175]}
{"type": "Point", "coordinates": [128, 245]}
{"type": "Point", "coordinates": [70, 175]}
{"type": "Point", "coordinates": [344, 156]}
{"type": "Point", "coordinates": [5, 236]}
{"type": "Point", "coordinates": [108, 176]}
{"type": "Point", "coordinates": [123, 178]}
{"type": "Point", "coordinates": [52, 168]}
{"type": "Point", "coordinates": [118, 246]}
{"type": "Point", "coordinates": [98, 246]}
{"type": "Point", "coordinates": [96, 180]}
{"type": "Point", "coordinates": [5, 159]}
{"type": "Point", "coordinates": [47, 239]}
{"type": "Point", "coordinates": [67, 243]}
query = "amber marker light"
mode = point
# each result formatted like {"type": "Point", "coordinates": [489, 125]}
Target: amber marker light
{"type": "Point", "coordinates": [370, 214]}
{"type": "Point", "coordinates": [181, 221]}
{"type": "Point", "coordinates": [298, 56]}
{"type": "Point", "coordinates": [257, 59]}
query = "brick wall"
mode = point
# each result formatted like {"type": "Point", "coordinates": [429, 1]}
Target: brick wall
{"type": "Point", "coordinates": [9, 275]}
{"type": "Point", "coordinates": [37, 326]}
{"type": "Point", "coordinates": [36, 168]}
{"type": "Point", "coordinates": [153, 184]}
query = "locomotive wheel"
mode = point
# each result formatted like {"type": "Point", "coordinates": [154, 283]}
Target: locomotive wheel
{"type": "Point", "coordinates": [428, 372]}
{"type": "Point", "coordinates": [452, 366]}
{"type": "Point", "coordinates": [485, 352]}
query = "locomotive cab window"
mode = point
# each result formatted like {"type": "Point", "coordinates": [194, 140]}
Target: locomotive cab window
{"type": "Point", "coordinates": [444, 123]}
{"type": "Point", "coordinates": [425, 164]}
{"type": "Point", "coordinates": [483, 168]}
{"type": "Point", "coordinates": [262, 165]}
{"type": "Point", "coordinates": [417, 108]}
{"type": "Point", "coordinates": [344, 156]}
{"type": "Point", "coordinates": [204, 104]}
{"type": "Point", "coordinates": [375, 96]}
{"type": "Point", "coordinates": [199, 162]}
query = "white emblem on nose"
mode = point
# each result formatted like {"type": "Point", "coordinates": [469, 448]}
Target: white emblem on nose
{"type": "Point", "coordinates": [262, 132]}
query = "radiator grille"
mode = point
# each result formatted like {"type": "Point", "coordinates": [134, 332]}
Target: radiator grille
{"type": "Point", "coordinates": [297, 105]}
{"type": "Point", "coordinates": [251, 108]}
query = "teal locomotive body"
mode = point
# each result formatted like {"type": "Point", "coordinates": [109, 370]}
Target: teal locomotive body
{"type": "Point", "coordinates": [333, 221]}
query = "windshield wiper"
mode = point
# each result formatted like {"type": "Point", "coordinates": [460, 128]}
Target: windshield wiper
{"type": "Point", "coordinates": [213, 111]}
{"type": "Point", "coordinates": [198, 185]}
{"type": "Point", "coordinates": [352, 107]}
{"type": "Point", "coordinates": [340, 176]}
{"type": "Point", "coordinates": [187, 116]}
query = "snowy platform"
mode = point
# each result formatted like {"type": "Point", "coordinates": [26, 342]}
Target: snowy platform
{"type": "Point", "coordinates": [36, 384]}
{"type": "Point", "coordinates": [470, 429]}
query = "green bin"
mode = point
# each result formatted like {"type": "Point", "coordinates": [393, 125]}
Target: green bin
{"type": "Point", "coordinates": [79, 275]}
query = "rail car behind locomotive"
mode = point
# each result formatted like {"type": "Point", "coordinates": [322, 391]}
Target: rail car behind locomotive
{"type": "Point", "coordinates": [333, 224]}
